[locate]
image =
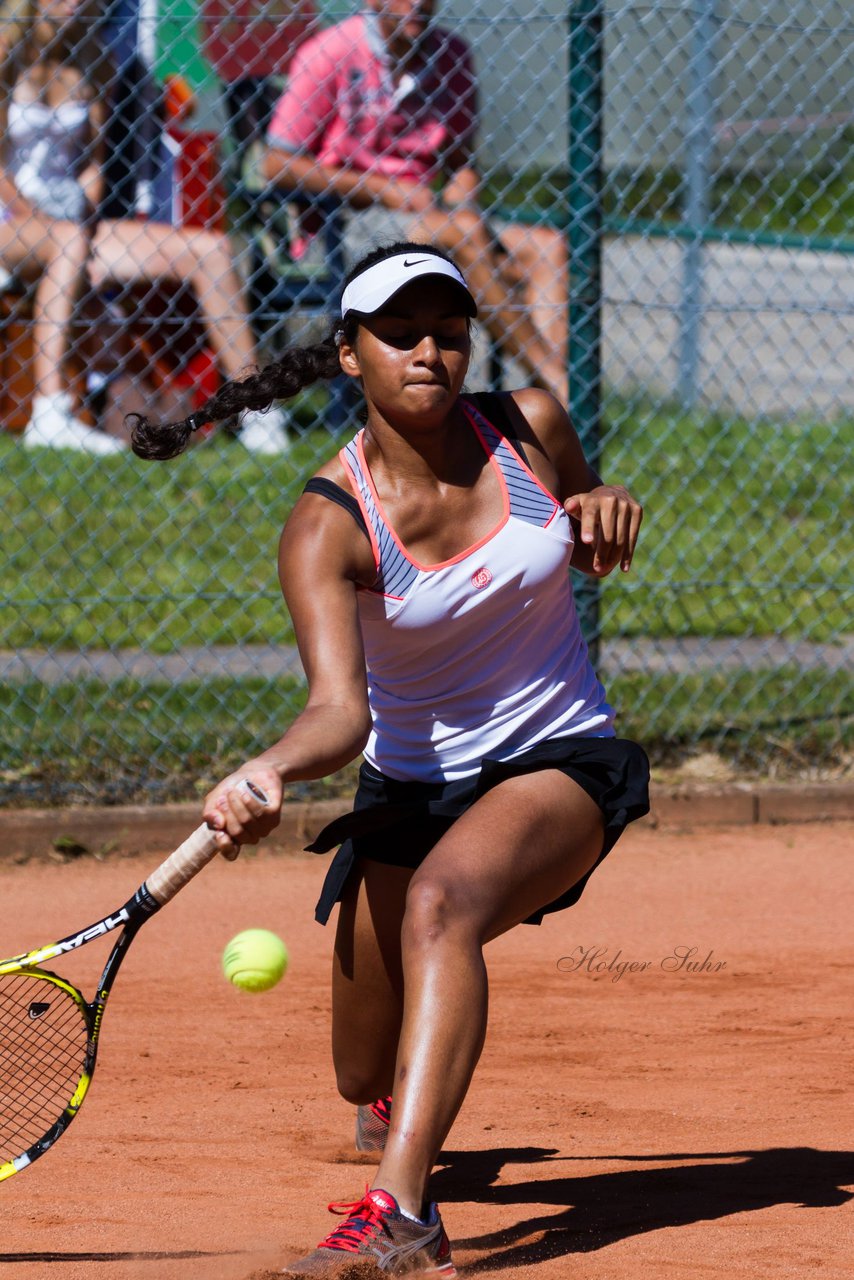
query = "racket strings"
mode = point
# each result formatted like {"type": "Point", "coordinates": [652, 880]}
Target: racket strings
{"type": "Point", "coordinates": [43, 1039]}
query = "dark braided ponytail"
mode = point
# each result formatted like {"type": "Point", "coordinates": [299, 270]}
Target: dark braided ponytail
{"type": "Point", "coordinates": [298, 367]}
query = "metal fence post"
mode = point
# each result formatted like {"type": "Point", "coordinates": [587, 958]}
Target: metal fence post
{"type": "Point", "coordinates": [699, 149]}
{"type": "Point", "coordinates": [584, 201]}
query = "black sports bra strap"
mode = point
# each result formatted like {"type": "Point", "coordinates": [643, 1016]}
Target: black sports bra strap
{"type": "Point", "coordinates": [335, 493]}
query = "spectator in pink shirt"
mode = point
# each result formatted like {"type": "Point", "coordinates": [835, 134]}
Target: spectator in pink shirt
{"type": "Point", "coordinates": [378, 110]}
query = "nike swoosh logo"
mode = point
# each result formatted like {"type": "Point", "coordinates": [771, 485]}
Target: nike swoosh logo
{"type": "Point", "coordinates": [414, 262]}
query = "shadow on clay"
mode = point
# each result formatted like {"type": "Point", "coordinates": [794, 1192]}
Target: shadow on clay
{"type": "Point", "coordinates": [599, 1209]}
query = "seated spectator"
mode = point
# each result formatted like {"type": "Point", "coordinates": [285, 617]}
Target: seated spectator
{"type": "Point", "coordinates": [52, 117]}
{"type": "Point", "coordinates": [377, 109]}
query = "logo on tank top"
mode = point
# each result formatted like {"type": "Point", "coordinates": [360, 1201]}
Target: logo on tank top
{"type": "Point", "coordinates": [481, 579]}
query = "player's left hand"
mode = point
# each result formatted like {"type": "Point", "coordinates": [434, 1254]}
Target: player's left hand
{"type": "Point", "coordinates": [609, 521]}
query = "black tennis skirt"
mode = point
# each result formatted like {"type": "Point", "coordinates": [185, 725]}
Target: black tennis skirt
{"type": "Point", "coordinates": [398, 823]}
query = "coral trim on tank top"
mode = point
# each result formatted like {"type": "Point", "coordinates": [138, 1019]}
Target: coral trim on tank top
{"type": "Point", "coordinates": [515, 460]}
{"type": "Point", "coordinates": [462, 555]}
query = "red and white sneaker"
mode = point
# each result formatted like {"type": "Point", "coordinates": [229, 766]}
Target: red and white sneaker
{"type": "Point", "coordinates": [375, 1230]}
{"type": "Point", "coordinates": [372, 1124]}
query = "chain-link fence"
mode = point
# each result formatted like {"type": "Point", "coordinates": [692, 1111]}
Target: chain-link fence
{"type": "Point", "coordinates": [173, 209]}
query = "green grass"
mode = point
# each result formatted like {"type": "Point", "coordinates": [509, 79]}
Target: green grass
{"type": "Point", "coordinates": [131, 742]}
{"type": "Point", "coordinates": [122, 553]}
{"type": "Point", "coordinates": [737, 540]}
{"type": "Point", "coordinates": [743, 536]}
{"type": "Point", "coordinates": [816, 201]}
{"type": "Point", "coordinates": [791, 718]}
{"type": "Point", "coordinates": [744, 527]}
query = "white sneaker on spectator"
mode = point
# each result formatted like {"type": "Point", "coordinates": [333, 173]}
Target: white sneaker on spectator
{"type": "Point", "coordinates": [264, 431]}
{"type": "Point", "coordinates": [52, 425]}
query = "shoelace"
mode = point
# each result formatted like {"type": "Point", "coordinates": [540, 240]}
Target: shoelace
{"type": "Point", "coordinates": [382, 1109]}
{"type": "Point", "coordinates": [363, 1218]}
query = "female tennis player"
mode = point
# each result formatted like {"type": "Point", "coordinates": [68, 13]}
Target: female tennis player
{"type": "Point", "coordinates": [426, 572]}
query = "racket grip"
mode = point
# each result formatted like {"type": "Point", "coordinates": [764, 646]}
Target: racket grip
{"type": "Point", "coordinates": [189, 858]}
{"type": "Point", "coordinates": [179, 868]}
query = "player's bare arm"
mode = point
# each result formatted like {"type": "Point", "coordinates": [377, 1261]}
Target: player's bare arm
{"type": "Point", "coordinates": [606, 518]}
{"type": "Point", "coordinates": [323, 560]}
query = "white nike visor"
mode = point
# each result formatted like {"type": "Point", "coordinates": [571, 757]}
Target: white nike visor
{"type": "Point", "coordinates": [378, 284]}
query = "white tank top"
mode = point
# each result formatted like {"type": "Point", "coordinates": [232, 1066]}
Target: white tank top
{"type": "Point", "coordinates": [481, 655]}
{"type": "Point", "coordinates": [45, 148]}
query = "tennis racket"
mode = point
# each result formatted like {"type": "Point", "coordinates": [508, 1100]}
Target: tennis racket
{"type": "Point", "coordinates": [49, 1032]}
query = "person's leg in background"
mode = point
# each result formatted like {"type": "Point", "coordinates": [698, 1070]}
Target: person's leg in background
{"type": "Point", "coordinates": [55, 251]}
{"type": "Point", "coordinates": [539, 258]}
{"type": "Point", "coordinates": [127, 251]}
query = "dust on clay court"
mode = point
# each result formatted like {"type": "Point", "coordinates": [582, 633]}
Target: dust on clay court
{"type": "Point", "coordinates": [358, 1269]}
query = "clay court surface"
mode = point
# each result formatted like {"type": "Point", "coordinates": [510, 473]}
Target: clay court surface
{"type": "Point", "coordinates": [661, 1123]}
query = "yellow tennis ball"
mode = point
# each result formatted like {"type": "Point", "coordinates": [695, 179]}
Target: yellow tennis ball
{"type": "Point", "coordinates": [255, 960]}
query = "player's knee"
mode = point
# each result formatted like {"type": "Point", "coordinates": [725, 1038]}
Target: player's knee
{"type": "Point", "coordinates": [358, 1085]}
{"type": "Point", "coordinates": [432, 908]}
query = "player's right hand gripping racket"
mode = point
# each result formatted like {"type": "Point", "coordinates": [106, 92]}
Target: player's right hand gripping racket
{"type": "Point", "coordinates": [49, 1032]}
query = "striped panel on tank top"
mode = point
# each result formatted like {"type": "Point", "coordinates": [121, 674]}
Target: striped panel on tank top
{"type": "Point", "coordinates": [528, 500]}
{"type": "Point", "coordinates": [395, 572]}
